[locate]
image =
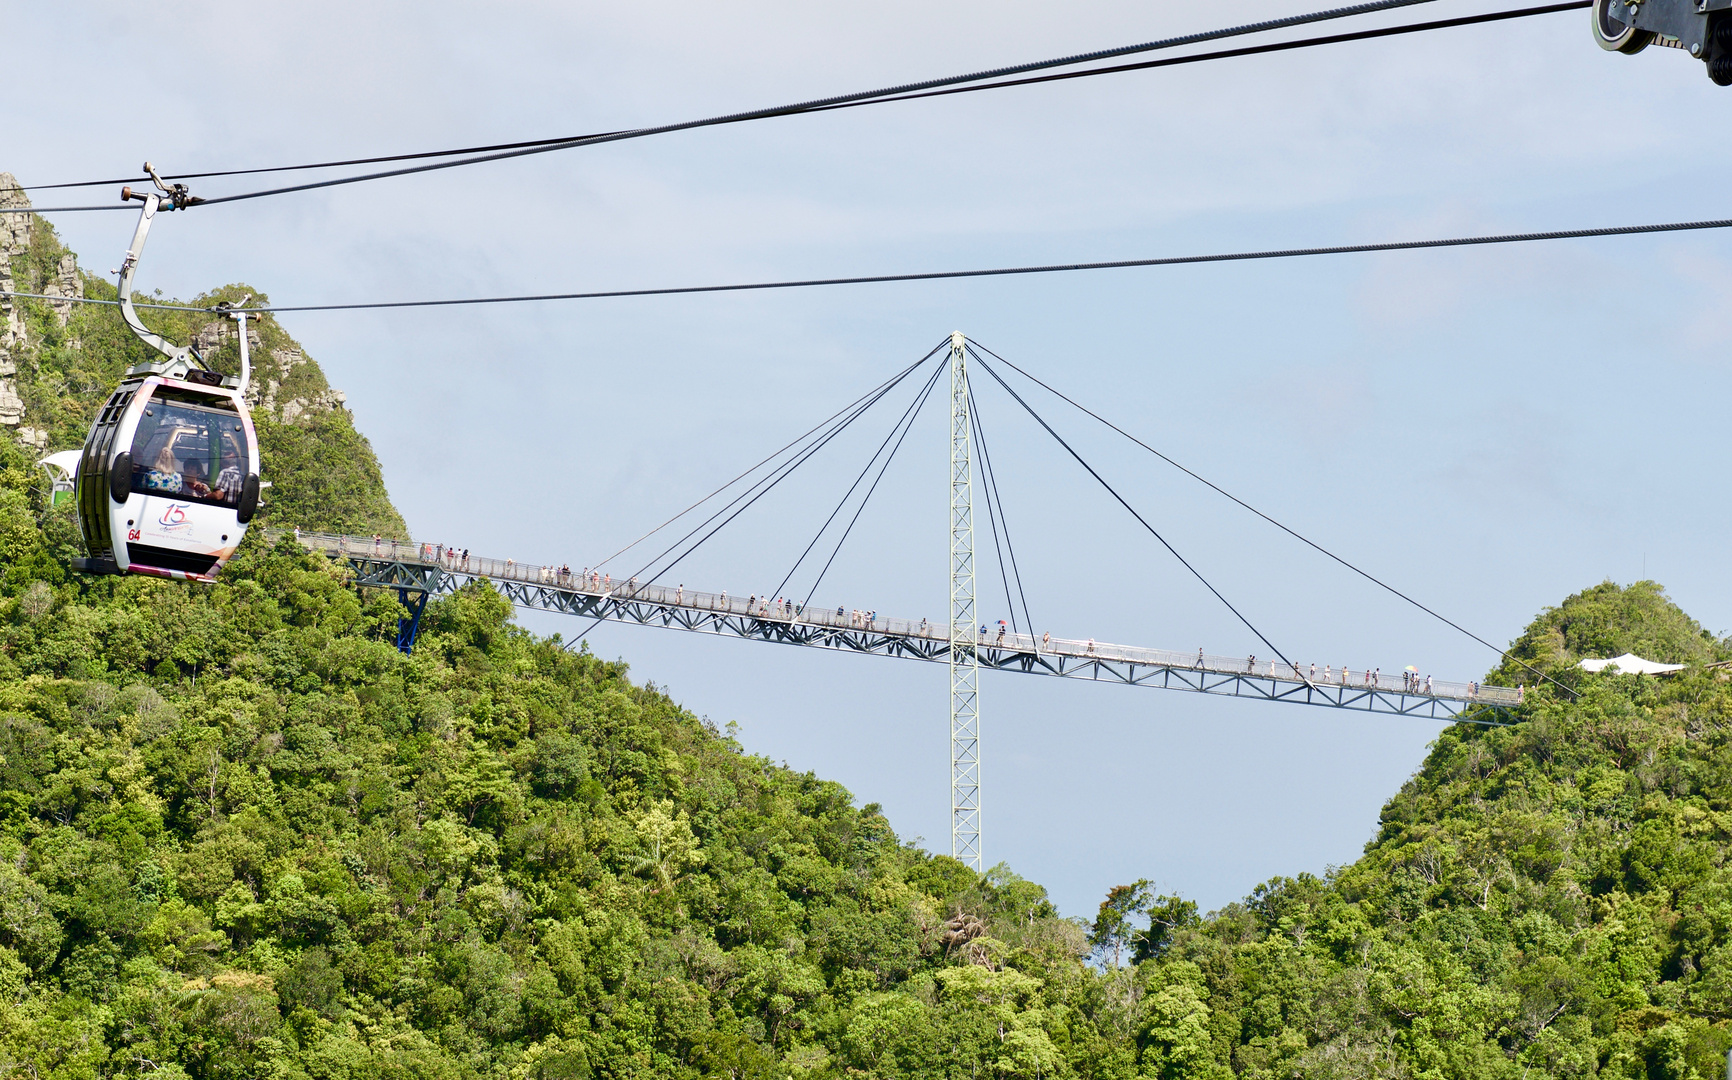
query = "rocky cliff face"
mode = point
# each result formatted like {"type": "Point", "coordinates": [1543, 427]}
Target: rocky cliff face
{"type": "Point", "coordinates": [15, 232]}
{"type": "Point", "coordinates": [274, 369]}
{"type": "Point", "coordinates": [59, 359]}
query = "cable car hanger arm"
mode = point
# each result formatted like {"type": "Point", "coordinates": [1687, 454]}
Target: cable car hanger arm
{"type": "Point", "coordinates": [181, 358]}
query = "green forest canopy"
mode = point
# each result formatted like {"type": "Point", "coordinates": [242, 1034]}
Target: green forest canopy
{"type": "Point", "coordinates": [241, 835]}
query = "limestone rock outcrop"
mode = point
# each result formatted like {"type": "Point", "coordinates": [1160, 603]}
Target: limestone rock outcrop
{"type": "Point", "coordinates": [67, 282]}
{"type": "Point", "coordinates": [14, 240]}
{"type": "Point", "coordinates": [271, 374]}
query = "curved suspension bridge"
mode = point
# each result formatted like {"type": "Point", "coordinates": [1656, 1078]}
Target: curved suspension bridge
{"type": "Point", "coordinates": [418, 571]}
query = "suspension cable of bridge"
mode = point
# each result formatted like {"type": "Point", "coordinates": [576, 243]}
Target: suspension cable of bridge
{"type": "Point", "coordinates": [764, 486]}
{"type": "Point", "coordinates": [799, 439]}
{"type": "Point", "coordinates": [996, 519]}
{"type": "Point", "coordinates": [745, 500]}
{"type": "Point", "coordinates": [993, 79]}
{"type": "Point", "coordinates": [1380, 583]}
{"type": "Point", "coordinates": [1141, 520]}
{"type": "Point", "coordinates": [899, 433]}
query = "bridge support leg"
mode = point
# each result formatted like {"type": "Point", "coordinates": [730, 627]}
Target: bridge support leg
{"type": "Point", "coordinates": [415, 600]}
{"type": "Point", "coordinates": [964, 661]}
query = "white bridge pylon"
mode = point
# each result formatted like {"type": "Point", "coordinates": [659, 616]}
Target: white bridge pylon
{"type": "Point", "coordinates": [964, 651]}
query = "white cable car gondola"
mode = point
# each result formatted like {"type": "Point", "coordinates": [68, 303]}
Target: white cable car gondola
{"type": "Point", "coordinates": [168, 478]}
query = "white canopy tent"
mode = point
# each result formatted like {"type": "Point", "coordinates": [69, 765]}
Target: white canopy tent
{"type": "Point", "coordinates": [62, 465]}
{"type": "Point", "coordinates": [62, 470]}
{"type": "Point", "coordinates": [1631, 664]}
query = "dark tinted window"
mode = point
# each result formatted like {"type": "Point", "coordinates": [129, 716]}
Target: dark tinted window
{"type": "Point", "coordinates": [190, 447]}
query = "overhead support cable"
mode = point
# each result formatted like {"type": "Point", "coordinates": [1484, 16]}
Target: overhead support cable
{"type": "Point", "coordinates": [947, 275]}
{"type": "Point", "coordinates": [1101, 480]}
{"type": "Point", "coordinates": [817, 104]}
{"type": "Point", "coordinates": [421, 155]}
{"type": "Point", "coordinates": [910, 92]}
{"type": "Point", "coordinates": [1307, 541]}
{"type": "Point", "coordinates": [1229, 54]}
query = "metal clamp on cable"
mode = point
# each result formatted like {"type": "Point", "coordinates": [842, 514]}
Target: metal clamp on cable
{"type": "Point", "coordinates": [172, 197]}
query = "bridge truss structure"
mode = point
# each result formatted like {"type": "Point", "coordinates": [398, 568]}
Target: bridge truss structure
{"type": "Point", "coordinates": [418, 571]}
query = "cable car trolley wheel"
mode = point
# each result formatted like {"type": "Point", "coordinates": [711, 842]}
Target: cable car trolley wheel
{"type": "Point", "coordinates": [1614, 35]}
{"type": "Point", "coordinates": [168, 478]}
{"type": "Point", "coordinates": [1700, 28]}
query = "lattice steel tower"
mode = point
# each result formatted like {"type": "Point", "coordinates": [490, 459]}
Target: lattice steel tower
{"type": "Point", "coordinates": [964, 663]}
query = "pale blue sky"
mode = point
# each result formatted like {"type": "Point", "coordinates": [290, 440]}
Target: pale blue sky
{"type": "Point", "coordinates": [1490, 429]}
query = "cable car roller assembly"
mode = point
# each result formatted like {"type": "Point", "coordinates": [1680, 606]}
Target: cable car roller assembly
{"type": "Point", "coordinates": [168, 479]}
{"type": "Point", "coordinates": [1702, 28]}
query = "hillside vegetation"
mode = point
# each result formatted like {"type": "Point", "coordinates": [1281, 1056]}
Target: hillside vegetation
{"type": "Point", "coordinates": [242, 836]}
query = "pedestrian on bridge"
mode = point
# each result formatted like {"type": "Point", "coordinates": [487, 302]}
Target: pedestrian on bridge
{"type": "Point", "coordinates": [1199, 658]}
{"type": "Point", "coordinates": [1250, 663]}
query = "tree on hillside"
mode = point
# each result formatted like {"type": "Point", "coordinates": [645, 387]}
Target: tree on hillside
{"type": "Point", "coordinates": [1115, 924]}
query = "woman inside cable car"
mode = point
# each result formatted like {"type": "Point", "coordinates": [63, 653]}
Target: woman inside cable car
{"type": "Point", "coordinates": [182, 440]}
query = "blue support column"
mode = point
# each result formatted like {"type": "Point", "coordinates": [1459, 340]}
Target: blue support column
{"type": "Point", "coordinates": [408, 628]}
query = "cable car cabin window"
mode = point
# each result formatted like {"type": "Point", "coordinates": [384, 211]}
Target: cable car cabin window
{"type": "Point", "coordinates": [190, 447]}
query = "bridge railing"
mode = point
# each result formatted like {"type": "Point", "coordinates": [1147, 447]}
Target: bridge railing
{"type": "Point", "coordinates": [844, 619]}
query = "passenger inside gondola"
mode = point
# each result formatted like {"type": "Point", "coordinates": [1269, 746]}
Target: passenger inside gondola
{"type": "Point", "coordinates": [189, 451]}
{"type": "Point", "coordinates": [194, 482]}
{"type": "Point", "coordinates": [162, 476]}
{"type": "Point", "coordinates": [228, 481]}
